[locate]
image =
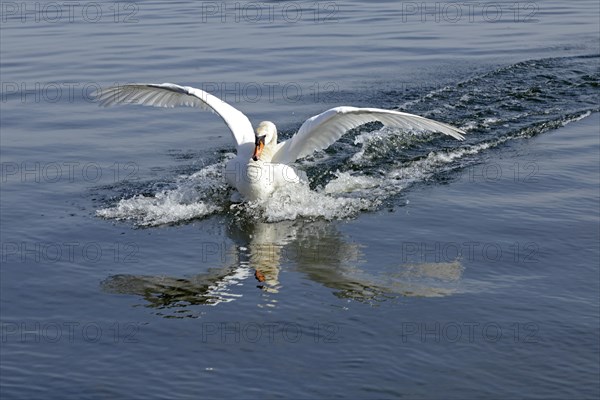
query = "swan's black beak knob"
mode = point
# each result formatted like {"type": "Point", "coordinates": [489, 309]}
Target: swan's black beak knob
{"type": "Point", "coordinates": [259, 144]}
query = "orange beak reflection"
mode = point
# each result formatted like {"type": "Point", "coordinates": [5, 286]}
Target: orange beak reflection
{"type": "Point", "coordinates": [259, 145]}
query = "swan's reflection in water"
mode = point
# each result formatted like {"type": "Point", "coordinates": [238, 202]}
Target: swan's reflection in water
{"type": "Point", "coordinates": [260, 251]}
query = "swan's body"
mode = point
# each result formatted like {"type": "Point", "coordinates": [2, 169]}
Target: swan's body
{"type": "Point", "coordinates": [262, 165]}
{"type": "Point", "coordinates": [256, 177]}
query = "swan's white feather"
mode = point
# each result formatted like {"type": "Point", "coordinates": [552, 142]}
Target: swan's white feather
{"type": "Point", "coordinates": [171, 95]}
{"type": "Point", "coordinates": [321, 131]}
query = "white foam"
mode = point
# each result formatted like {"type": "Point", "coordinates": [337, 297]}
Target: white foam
{"type": "Point", "coordinates": [577, 118]}
{"type": "Point", "coordinates": [195, 196]}
{"type": "Point", "coordinates": [490, 121]}
{"type": "Point", "coordinates": [164, 208]}
{"type": "Point", "coordinates": [384, 139]}
{"type": "Point", "coordinates": [298, 201]}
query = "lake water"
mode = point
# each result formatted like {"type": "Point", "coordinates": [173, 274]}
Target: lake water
{"type": "Point", "coordinates": [417, 266]}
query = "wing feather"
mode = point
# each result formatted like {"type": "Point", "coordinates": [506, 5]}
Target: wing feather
{"type": "Point", "coordinates": [321, 131]}
{"type": "Point", "coordinates": [171, 95]}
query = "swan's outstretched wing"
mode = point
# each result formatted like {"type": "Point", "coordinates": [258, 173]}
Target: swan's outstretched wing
{"type": "Point", "coordinates": [171, 95]}
{"type": "Point", "coordinates": [322, 130]}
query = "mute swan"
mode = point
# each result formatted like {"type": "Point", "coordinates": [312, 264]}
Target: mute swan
{"type": "Point", "coordinates": [262, 164]}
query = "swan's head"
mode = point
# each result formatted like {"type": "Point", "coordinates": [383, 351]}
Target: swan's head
{"type": "Point", "coordinates": [266, 134]}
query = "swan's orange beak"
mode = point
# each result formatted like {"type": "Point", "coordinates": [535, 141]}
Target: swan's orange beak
{"type": "Point", "coordinates": [259, 145]}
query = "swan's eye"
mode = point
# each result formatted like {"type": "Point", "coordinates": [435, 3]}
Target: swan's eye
{"type": "Point", "coordinates": [260, 139]}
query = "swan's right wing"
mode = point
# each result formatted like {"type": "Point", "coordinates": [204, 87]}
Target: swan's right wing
{"type": "Point", "coordinates": [171, 95]}
{"type": "Point", "coordinates": [321, 131]}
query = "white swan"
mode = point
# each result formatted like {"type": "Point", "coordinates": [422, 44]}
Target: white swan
{"type": "Point", "coordinates": [262, 164]}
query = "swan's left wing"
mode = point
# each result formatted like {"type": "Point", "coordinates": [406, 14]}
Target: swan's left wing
{"type": "Point", "coordinates": [171, 95]}
{"type": "Point", "coordinates": [321, 131]}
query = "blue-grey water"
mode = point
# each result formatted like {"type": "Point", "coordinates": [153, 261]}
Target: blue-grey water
{"type": "Point", "coordinates": [416, 267]}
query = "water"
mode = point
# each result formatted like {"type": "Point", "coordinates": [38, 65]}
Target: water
{"type": "Point", "coordinates": [416, 265]}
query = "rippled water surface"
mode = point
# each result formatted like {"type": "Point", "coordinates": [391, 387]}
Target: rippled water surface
{"type": "Point", "coordinates": [413, 265]}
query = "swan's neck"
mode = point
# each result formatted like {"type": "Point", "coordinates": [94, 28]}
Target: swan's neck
{"type": "Point", "coordinates": [269, 150]}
